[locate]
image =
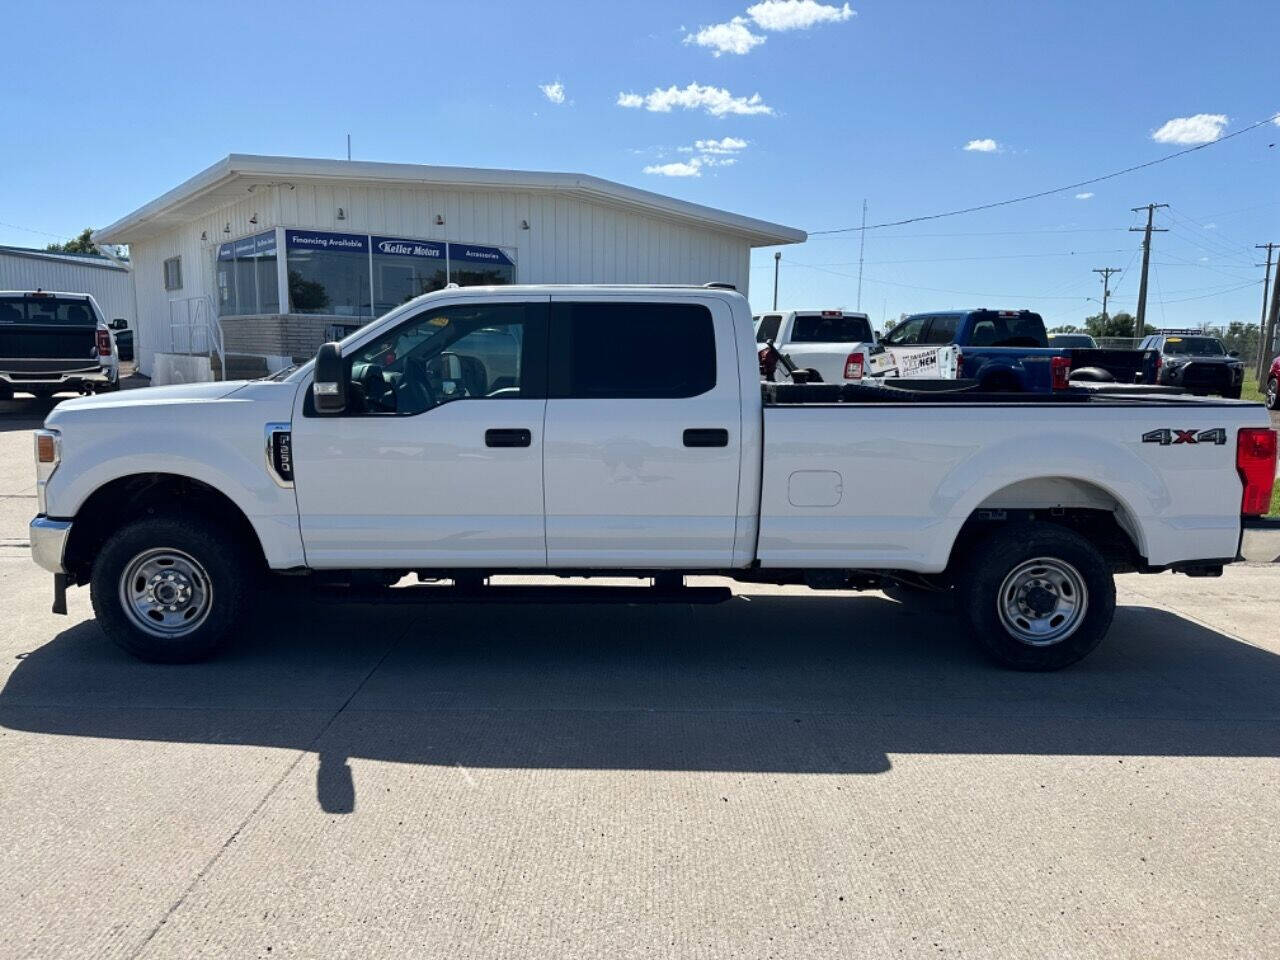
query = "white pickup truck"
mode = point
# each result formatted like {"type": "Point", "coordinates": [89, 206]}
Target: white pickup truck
{"type": "Point", "coordinates": [839, 344]}
{"type": "Point", "coordinates": [493, 430]}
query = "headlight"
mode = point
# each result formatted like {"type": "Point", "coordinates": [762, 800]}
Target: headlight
{"type": "Point", "coordinates": [48, 448]}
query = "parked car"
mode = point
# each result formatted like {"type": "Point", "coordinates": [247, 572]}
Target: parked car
{"type": "Point", "coordinates": [50, 342]}
{"type": "Point", "coordinates": [1196, 362]}
{"type": "Point", "coordinates": [839, 344]}
{"type": "Point", "coordinates": [400, 450]}
{"type": "Point", "coordinates": [1006, 351]}
{"type": "Point", "coordinates": [1272, 389]}
{"type": "Point", "coordinates": [1060, 340]}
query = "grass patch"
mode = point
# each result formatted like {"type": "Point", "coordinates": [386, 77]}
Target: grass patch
{"type": "Point", "coordinates": [1275, 501]}
{"type": "Point", "coordinates": [1251, 391]}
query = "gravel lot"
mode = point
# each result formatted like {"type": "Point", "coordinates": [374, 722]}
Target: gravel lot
{"type": "Point", "coordinates": [784, 774]}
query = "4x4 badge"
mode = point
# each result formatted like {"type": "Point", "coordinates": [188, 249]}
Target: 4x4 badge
{"type": "Point", "coordinates": [1166, 437]}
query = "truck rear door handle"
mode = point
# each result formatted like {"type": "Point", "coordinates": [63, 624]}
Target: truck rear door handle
{"type": "Point", "coordinates": [711, 437]}
{"type": "Point", "coordinates": [508, 437]}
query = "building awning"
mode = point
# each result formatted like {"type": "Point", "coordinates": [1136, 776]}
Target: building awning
{"type": "Point", "coordinates": [233, 177]}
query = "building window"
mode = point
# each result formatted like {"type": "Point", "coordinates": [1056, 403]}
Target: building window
{"type": "Point", "coordinates": [328, 273]}
{"type": "Point", "coordinates": [246, 276]}
{"type": "Point", "coordinates": [173, 273]}
{"type": "Point", "coordinates": [404, 269]}
{"type": "Point", "coordinates": [471, 265]}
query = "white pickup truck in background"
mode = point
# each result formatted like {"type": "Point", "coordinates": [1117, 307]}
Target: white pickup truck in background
{"type": "Point", "coordinates": [840, 345]}
{"type": "Point", "coordinates": [491, 430]}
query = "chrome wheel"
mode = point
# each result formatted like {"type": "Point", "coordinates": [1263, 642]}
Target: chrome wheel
{"type": "Point", "coordinates": [1042, 601]}
{"type": "Point", "coordinates": [166, 593]}
{"type": "Point", "coordinates": [1271, 393]}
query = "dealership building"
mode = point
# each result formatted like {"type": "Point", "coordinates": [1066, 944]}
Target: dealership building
{"type": "Point", "coordinates": [256, 261]}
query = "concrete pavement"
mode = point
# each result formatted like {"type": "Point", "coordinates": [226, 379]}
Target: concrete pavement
{"type": "Point", "coordinates": [785, 774]}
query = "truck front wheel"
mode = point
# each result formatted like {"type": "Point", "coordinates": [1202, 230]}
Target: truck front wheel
{"type": "Point", "coordinates": [1037, 596]}
{"type": "Point", "coordinates": [170, 589]}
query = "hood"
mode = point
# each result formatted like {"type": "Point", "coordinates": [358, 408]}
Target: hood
{"type": "Point", "coordinates": [176, 393]}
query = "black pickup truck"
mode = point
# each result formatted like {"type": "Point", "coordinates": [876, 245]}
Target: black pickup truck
{"type": "Point", "coordinates": [50, 342]}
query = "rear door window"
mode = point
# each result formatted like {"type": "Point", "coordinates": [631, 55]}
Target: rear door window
{"type": "Point", "coordinates": [828, 328]}
{"type": "Point", "coordinates": [942, 330]}
{"type": "Point", "coordinates": [631, 350]}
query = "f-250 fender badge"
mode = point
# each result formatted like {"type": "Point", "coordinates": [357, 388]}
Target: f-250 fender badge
{"type": "Point", "coordinates": [1166, 437]}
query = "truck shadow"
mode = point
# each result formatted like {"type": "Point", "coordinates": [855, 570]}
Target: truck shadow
{"type": "Point", "coordinates": [809, 685]}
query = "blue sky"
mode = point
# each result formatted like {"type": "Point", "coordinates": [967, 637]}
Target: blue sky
{"type": "Point", "coordinates": [116, 103]}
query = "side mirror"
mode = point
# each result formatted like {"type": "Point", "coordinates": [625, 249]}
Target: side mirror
{"type": "Point", "coordinates": [1234, 353]}
{"type": "Point", "coordinates": [119, 323]}
{"type": "Point", "coordinates": [329, 382]}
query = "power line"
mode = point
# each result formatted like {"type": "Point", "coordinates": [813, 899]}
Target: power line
{"type": "Point", "coordinates": [991, 233]}
{"type": "Point", "coordinates": [1008, 256]}
{"type": "Point", "coordinates": [1046, 193]}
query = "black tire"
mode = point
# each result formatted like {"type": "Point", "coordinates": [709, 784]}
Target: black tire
{"type": "Point", "coordinates": [1232, 394]}
{"type": "Point", "coordinates": [1273, 394]}
{"type": "Point", "coordinates": [986, 594]}
{"type": "Point", "coordinates": [222, 567]}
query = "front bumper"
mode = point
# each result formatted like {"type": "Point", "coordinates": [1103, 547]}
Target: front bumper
{"type": "Point", "coordinates": [1260, 539]}
{"type": "Point", "coordinates": [49, 542]}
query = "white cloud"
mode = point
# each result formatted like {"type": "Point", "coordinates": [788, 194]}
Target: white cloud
{"type": "Point", "coordinates": [1084, 196]}
{"type": "Point", "coordinates": [986, 145]}
{"type": "Point", "coordinates": [1211, 226]}
{"type": "Point", "coordinates": [553, 91]}
{"type": "Point", "coordinates": [796, 14]}
{"type": "Point", "coordinates": [1202, 128]}
{"type": "Point", "coordinates": [714, 100]}
{"type": "Point", "coordinates": [732, 37]}
{"type": "Point", "coordinates": [693, 168]}
{"type": "Point", "coordinates": [1276, 119]}
{"type": "Point", "coordinates": [725, 145]}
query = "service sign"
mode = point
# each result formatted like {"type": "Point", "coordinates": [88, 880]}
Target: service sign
{"type": "Point", "coordinates": [399, 247]}
{"type": "Point", "coordinates": [471, 253]}
{"type": "Point", "coordinates": [322, 240]}
{"type": "Point", "coordinates": [265, 243]}
{"type": "Point", "coordinates": [226, 251]}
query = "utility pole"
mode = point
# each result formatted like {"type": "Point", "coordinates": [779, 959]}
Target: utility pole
{"type": "Point", "coordinates": [348, 146]}
{"type": "Point", "coordinates": [862, 246]}
{"type": "Point", "coordinates": [1266, 326]}
{"type": "Point", "coordinates": [777, 259]}
{"type": "Point", "coordinates": [1151, 208]}
{"type": "Point", "coordinates": [1106, 291]}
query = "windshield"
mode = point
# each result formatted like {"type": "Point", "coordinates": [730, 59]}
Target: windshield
{"type": "Point", "coordinates": [825, 328]}
{"type": "Point", "coordinates": [1193, 347]}
{"type": "Point", "coordinates": [53, 311]}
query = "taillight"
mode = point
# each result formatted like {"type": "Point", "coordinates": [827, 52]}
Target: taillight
{"type": "Point", "coordinates": [1060, 369]}
{"type": "Point", "coordinates": [1256, 464]}
{"type": "Point", "coordinates": [104, 343]}
{"type": "Point", "coordinates": [1159, 362]}
{"type": "Point", "coordinates": [853, 366]}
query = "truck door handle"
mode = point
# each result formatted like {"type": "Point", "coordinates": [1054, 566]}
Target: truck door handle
{"type": "Point", "coordinates": [712, 437]}
{"type": "Point", "coordinates": [509, 437]}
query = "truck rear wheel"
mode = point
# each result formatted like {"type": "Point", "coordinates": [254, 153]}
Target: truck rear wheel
{"type": "Point", "coordinates": [1037, 596]}
{"type": "Point", "coordinates": [170, 589]}
{"type": "Point", "coordinates": [1273, 394]}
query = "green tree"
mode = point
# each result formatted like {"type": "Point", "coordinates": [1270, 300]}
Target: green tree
{"type": "Point", "coordinates": [1066, 328]}
{"type": "Point", "coordinates": [1243, 338]}
{"type": "Point", "coordinates": [1116, 325]}
{"type": "Point", "coordinates": [80, 244]}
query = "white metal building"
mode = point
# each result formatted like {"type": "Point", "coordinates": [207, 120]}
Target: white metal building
{"type": "Point", "coordinates": [270, 256]}
{"type": "Point", "coordinates": [110, 283]}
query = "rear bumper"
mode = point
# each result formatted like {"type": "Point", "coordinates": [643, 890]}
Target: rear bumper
{"type": "Point", "coordinates": [20, 380]}
{"type": "Point", "coordinates": [1260, 539]}
{"type": "Point", "coordinates": [49, 542]}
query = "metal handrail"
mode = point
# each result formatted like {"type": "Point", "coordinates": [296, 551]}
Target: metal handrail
{"type": "Point", "coordinates": [194, 330]}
